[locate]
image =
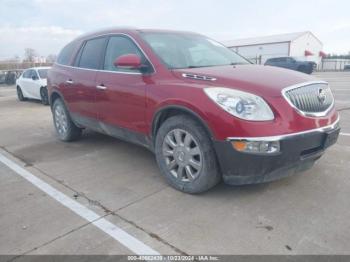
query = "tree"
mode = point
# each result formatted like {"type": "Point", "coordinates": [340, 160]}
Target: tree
{"type": "Point", "coordinates": [51, 58]}
{"type": "Point", "coordinates": [29, 54]}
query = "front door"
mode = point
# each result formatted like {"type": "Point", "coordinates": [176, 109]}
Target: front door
{"type": "Point", "coordinates": [121, 95]}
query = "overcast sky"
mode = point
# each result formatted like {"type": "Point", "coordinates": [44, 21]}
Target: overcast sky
{"type": "Point", "coordinates": [46, 25]}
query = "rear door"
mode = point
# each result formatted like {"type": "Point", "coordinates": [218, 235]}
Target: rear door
{"type": "Point", "coordinates": [82, 84]}
{"type": "Point", "coordinates": [121, 100]}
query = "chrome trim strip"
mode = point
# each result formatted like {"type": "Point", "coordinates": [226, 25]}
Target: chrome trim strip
{"type": "Point", "coordinates": [101, 87]}
{"type": "Point", "coordinates": [116, 72]}
{"type": "Point", "coordinates": [281, 137]}
{"type": "Point", "coordinates": [307, 114]}
{"type": "Point", "coordinates": [198, 77]}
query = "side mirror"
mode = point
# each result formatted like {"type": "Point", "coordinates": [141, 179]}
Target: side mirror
{"type": "Point", "coordinates": [130, 61]}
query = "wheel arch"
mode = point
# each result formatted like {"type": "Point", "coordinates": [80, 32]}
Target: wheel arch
{"type": "Point", "coordinates": [53, 96]}
{"type": "Point", "coordinates": [171, 110]}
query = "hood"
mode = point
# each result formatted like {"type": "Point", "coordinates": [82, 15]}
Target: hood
{"type": "Point", "coordinates": [256, 79]}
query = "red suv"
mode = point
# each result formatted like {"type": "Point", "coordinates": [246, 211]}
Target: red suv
{"type": "Point", "coordinates": [205, 111]}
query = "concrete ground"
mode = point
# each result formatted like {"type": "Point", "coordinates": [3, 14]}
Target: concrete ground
{"type": "Point", "coordinates": [304, 214]}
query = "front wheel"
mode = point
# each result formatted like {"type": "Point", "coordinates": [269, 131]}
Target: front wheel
{"type": "Point", "coordinates": [20, 94]}
{"type": "Point", "coordinates": [65, 128]}
{"type": "Point", "coordinates": [185, 155]}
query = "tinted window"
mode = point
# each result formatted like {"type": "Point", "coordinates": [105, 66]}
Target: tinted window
{"type": "Point", "coordinates": [77, 58]}
{"type": "Point", "coordinates": [43, 73]}
{"type": "Point", "coordinates": [26, 74]}
{"type": "Point", "coordinates": [117, 46]}
{"type": "Point", "coordinates": [92, 52]}
{"type": "Point", "coordinates": [66, 54]}
{"type": "Point", "coordinates": [33, 73]}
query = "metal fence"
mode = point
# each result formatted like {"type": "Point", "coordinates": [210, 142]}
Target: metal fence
{"type": "Point", "coordinates": [328, 64]}
{"type": "Point", "coordinates": [20, 66]}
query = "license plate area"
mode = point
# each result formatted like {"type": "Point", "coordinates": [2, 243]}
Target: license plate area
{"type": "Point", "coordinates": [331, 137]}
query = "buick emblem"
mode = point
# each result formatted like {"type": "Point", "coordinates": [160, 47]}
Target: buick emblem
{"type": "Point", "coordinates": [321, 95]}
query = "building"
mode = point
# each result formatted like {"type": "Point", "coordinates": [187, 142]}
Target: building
{"type": "Point", "coordinates": [303, 45]}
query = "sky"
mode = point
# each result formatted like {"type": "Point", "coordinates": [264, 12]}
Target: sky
{"type": "Point", "coordinates": [47, 25]}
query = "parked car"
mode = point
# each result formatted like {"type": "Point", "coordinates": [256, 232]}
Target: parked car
{"type": "Point", "coordinates": [33, 84]}
{"type": "Point", "coordinates": [292, 63]}
{"type": "Point", "coordinates": [205, 111]}
{"type": "Point", "coordinates": [347, 68]}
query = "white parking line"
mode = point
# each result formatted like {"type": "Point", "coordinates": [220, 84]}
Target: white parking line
{"type": "Point", "coordinates": [344, 134]}
{"type": "Point", "coordinates": [115, 232]}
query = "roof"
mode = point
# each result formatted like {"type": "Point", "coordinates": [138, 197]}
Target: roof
{"type": "Point", "coordinates": [266, 39]}
{"type": "Point", "coordinates": [127, 30]}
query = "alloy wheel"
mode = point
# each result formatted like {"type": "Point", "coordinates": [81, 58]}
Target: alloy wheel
{"type": "Point", "coordinates": [61, 121]}
{"type": "Point", "coordinates": [182, 154]}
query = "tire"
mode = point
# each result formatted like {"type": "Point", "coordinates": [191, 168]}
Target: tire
{"type": "Point", "coordinates": [65, 128]}
{"type": "Point", "coordinates": [44, 95]}
{"type": "Point", "coordinates": [310, 69]}
{"type": "Point", "coordinates": [193, 146]}
{"type": "Point", "coordinates": [304, 69]}
{"type": "Point", "coordinates": [20, 94]}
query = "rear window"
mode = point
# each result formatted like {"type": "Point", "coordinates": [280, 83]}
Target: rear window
{"type": "Point", "coordinates": [66, 54]}
{"type": "Point", "coordinates": [92, 53]}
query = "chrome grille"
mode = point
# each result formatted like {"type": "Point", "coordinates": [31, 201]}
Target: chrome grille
{"type": "Point", "coordinates": [314, 99]}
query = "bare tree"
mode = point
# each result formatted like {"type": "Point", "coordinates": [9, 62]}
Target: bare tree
{"type": "Point", "coordinates": [51, 58]}
{"type": "Point", "coordinates": [29, 54]}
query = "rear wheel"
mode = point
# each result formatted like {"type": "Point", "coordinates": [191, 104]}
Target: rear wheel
{"type": "Point", "coordinates": [20, 94]}
{"type": "Point", "coordinates": [44, 95]}
{"type": "Point", "coordinates": [304, 69]}
{"type": "Point", "coordinates": [185, 155]}
{"type": "Point", "coordinates": [65, 128]}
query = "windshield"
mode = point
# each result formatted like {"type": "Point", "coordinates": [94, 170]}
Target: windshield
{"type": "Point", "coordinates": [43, 73]}
{"type": "Point", "coordinates": [190, 51]}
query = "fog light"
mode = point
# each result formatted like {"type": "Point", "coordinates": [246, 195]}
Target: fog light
{"type": "Point", "coordinates": [257, 147]}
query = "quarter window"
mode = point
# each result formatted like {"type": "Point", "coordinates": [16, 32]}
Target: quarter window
{"type": "Point", "coordinates": [118, 46]}
{"type": "Point", "coordinates": [92, 52]}
{"type": "Point", "coordinates": [66, 54]}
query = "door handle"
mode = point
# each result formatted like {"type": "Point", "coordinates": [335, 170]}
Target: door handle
{"type": "Point", "coordinates": [70, 81]}
{"type": "Point", "coordinates": [101, 87]}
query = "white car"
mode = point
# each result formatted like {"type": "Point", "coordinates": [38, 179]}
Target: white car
{"type": "Point", "coordinates": [33, 84]}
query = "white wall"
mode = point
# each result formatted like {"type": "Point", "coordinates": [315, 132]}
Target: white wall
{"type": "Point", "coordinates": [306, 42]}
{"type": "Point", "coordinates": [264, 50]}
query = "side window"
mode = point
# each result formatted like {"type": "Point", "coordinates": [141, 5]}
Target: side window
{"type": "Point", "coordinates": [66, 54]}
{"type": "Point", "coordinates": [117, 46]}
{"type": "Point", "coordinates": [26, 74]}
{"type": "Point", "coordinates": [77, 57]}
{"type": "Point", "coordinates": [91, 54]}
{"type": "Point", "coordinates": [33, 73]}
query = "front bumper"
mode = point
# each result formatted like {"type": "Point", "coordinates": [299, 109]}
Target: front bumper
{"type": "Point", "coordinates": [298, 152]}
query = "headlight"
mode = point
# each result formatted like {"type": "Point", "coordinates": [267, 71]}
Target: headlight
{"type": "Point", "coordinates": [240, 104]}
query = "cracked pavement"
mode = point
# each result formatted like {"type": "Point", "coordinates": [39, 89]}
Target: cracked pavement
{"type": "Point", "coordinates": [304, 214]}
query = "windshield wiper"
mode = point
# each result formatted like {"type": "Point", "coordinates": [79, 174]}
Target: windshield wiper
{"type": "Point", "coordinates": [194, 66]}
